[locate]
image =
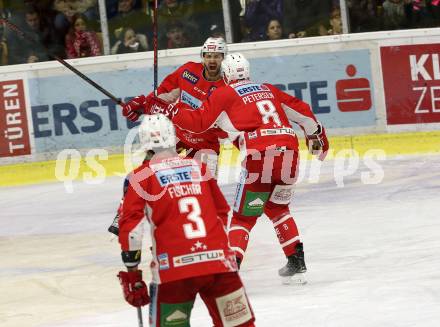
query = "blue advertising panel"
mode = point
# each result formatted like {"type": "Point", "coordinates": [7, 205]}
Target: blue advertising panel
{"type": "Point", "coordinates": [69, 113]}
{"type": "Point", "coordinates": [337, 85]}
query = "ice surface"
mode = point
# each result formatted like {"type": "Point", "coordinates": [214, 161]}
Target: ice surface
{"type": "Point", "coordinates": [372, 251]}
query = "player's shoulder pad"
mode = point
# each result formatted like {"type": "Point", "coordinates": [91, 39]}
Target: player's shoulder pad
{"type": "Point", "coordinates": [143, 170]}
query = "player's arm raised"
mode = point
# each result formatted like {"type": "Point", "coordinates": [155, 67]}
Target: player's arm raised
{"type": "Point", "coordinates": [185, 117]}
{"type": "Point", "coordinates": [168, 91]}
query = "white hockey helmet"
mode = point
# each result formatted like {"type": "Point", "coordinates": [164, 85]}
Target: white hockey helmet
{"type": "Point", "coordinates": [157, 131]}
{"type": "Point", "coordinates": [214, 44]}
{"type": "Point", "coordinates": [235, 67]}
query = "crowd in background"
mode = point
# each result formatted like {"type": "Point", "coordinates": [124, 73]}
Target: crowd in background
{"type": "Point", "coordinates": [72, 28]}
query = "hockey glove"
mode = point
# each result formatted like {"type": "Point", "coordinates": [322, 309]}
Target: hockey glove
{"type": "Point", "coordinates": [317, 143]}
{"type": "Point", "coordinates": [134, 108]}
{"type": "Point", "coordinates": [134, 288]}
{"type": "Point", "coordinates": [158, 106]}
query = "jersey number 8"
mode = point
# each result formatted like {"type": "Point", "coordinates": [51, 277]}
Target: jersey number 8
{"type": "Point", "coordinates": [268, 112]}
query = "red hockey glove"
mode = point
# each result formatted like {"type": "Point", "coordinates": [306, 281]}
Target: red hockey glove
{"type": "Point", "coordinates": [317, 143]}
{"type": "Point", "coordinates": [134, 108]}
{"type": "Point", "coordinates": [156, 105]}
{"type": "Point", "coordinates": [134, 288]}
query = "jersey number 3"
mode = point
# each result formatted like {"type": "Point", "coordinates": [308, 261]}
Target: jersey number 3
{"type": "Point", "coordinates": [191, 207]}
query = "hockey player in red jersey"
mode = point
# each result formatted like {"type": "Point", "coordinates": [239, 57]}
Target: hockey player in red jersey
{"type": "Point", "coordinates": [260, 115]}
{"type": "Point", "coordinates": [190, 252]}
{"type": "Point", "coordinates": [191, 83]}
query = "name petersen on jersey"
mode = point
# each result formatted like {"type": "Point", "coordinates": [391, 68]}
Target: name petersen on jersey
{"type": "Point", "coordinates": [253, 92]}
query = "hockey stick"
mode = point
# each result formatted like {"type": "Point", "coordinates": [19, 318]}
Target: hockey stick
{"type": "Point", "coordinates": [17, 30]}
{"type": "Point", "coordinates": [155, 46]}
{"type": "Point", "coordinates": [140, 321]}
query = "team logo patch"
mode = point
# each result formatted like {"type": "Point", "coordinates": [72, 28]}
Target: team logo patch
{"type": "Point", "coordinates": [246, 89]}
{"type": "Point", "coordinates": [254, 203]}
{"type": "Point", "coordinates": [179, 175]}
{"type": "Point", "coordinates": [164, 263]}
{"type": "Point", "coordinates": [175, 314]}
{"type": "Point", "coordinates": [282, 194]}
{"type": "Point", "coordinates": [252, 135]}
{"type": "Point", "coordinates": [212, 89]}
{"type": "Point", "coordinates": [190, 77]}
{"type": "Point", "coordinates": [234, 308]}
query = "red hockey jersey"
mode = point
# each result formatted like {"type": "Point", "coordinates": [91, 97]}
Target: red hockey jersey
{"type": "Point", "coordinates": [187, 213]}
{"type": "Point", "coordinates": [188, 85]}
{"type": "Point", "coordinates": [260, 114]}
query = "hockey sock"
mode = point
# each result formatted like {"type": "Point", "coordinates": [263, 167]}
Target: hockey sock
{"type": "Point", "coordinates": [287, 233]}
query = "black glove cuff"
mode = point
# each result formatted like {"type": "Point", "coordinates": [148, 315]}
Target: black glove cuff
{"type": "Point", "coordinates": [131, 258]}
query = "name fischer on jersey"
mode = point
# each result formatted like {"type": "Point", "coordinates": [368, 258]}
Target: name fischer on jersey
{"type": "Point", "coordinates": [184, 190]}
{"type": "Point", "coordinates": [257, 96]}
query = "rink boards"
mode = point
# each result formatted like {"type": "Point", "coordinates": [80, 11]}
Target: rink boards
{"type": "Point", "coordinates": [372, 91]}
{"type": "Point", "coordinates": [90, 167]}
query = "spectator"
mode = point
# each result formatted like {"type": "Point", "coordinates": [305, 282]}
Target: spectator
{"type": "Point", "coordinates": [335, 22]}
{"type": "Point", "coordinates": [435, 10]}
{"type": "Point", "coordinates": [3, 48]}
{"type": "Point", "coordinates": [236, 20]}
{"type": "Point", "coordinates": [88, 8]}
{"type": "Point", "coordinates": [322, 30]}
{"type": "Point", "coordinates": [129, 17]}
{"type": "Point", "coordinates": [258, 14]}
{"type": "Point", "coordinates": [45, 39]}
{"type": "Point", "coordinates": [209, 16]}
{"type": "Point", "coordinates": [64, 12]}
{"type": "Point", "coordinates": [130, 42]}
{"type": "Point", "coordinates": [394, 14]}
{"type": "Point", "coordinates": [274, 31]}
{"type": "Point", "coordinates": [81, 42]}
{"type": "Point", "coordinates": [32, 57]}
{"type": "Point", "coordinates": [176, 37]}
{"type": "Point", "coordinates": [301, 15]}
{"type": "Point", "coordinates": [171, 11]}
{"type": "Point", "coordinates": [363, 15]}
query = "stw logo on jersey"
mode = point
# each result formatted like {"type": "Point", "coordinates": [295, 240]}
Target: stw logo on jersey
{"type": "Point", "coordinates": [192, 258]}
{"type": "Point", "coordinates": [190, 77]}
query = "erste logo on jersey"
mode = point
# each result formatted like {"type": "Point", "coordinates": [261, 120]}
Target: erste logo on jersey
{"type": "Point", "coordinates": [190, 100]}
{"type": "Point", "coordinates": [179, 175]}
{"type": "Point", "coordinates": [190, 77]}
{"type": "Point", "coordinates": [246, 89]}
